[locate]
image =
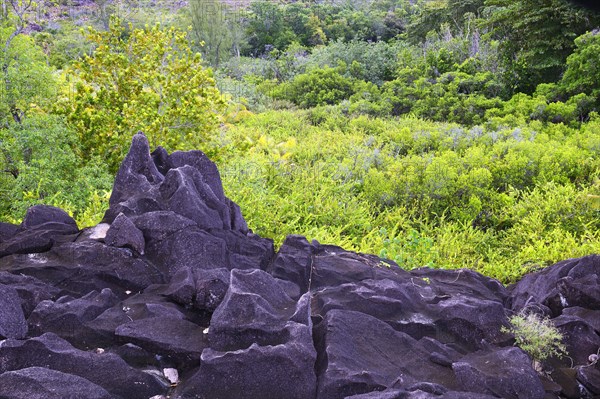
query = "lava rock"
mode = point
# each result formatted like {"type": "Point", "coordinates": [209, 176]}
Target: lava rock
{"type": "Point", "coordinates": [178, 341]}
{"type": "Point", "coordinates": [42, 227]}
{"type": "Point", "coordinates": [193, 247]}
{"type": "Point", "coordinates": [78, 268]}
{"type": "Point", "coordinates": [184, 190]}
{"type": "Point", "coordinates": [159, 225]}
{"type": "Point", "coordinates": [8, 231]}
{"type": "Point", "coordinates": [421, 308]}
{"type": "Point", "coordinates": [26, 242]}
{"type": "Point", "coordinates": [68, 317]}
{"type": "Point", "coordinates": [31, 290]}
{"type": "Point", "coordinates": [294, 262]}
{"type": "Point", "coordinates": [255, 310]}
{"type": "Point", "coordinates": [106, 369]}
{"type": "Point", "coordinates": [579, 337]}
{"type": "Point", "coordinates": [591, 317]}
{"type": "Point", "coordinates": [204, 290]}
{"type": "Point", "coordinates": [123, 233]}
{"type": "Point", "coordinates": [543, 287]}
{"type": "Point", "coordinates": [257, 372]}
{"type": "Point", "coordinates": [12, 319]}
{"type": "Point", "coordinates": [349, 363]}
{"type": "Point", "coordinates": [43, 383]}
{"type": "Point", "coordinates": [589, 376]}
{"type": "Point", "coordinates": [505, 373]}
{"type": "Point", "coordinates": [136, 179]}
{"type": "Point", "coordinates": [418, 394]}
{"type": "Point", "coordinates": [261, 344]}
{"type": "Point", "coordinates": [39, 216]}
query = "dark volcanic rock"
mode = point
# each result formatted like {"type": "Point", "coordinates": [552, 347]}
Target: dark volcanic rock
{"type": "Point", "coordinates": [505, 373]}
{"type": "Point", "coordinates": [569, 283]}
{"type": "Point", "coordinates": [420, 311]}
{"type": "Point", "coordinates": [254, 310]}
{"type": "Point", "coordinates": [106, 370]}
{"type": "Point", "coordinates": [173, 296]}
{"type": "Point", "coordinates": [260, 344]}
{"type": "Point", "coordinates": [178, 341]}
{"type": "Point", "coordinates": [43, 383]}
{"type": "Point", "coordinates": [8, 231]}
{"type": "Point", "coordinates": [39, 216]}
{"type": "Point", "coordinates": [136, 180]}
{"type": "Point", "coordinates": [590, 378]}
{"type": "Point", "coordinates": [185, 183]}
{"type": "Point", "coordinates": [349, 363]}
{"type": "Point", "coordinates": [419, 394]}
{"type": "Point", "coordinates": [31, 290]}
{"type": "Point", "coordinates": [202, 289]}
{"type": "Point", "coordinates": [12, 320]}
{"type": "Point", "coordinates": [257, 372]}
{"type": "Point", "coordinates": [26, 242]}
{"type": "Point", "coordinates": [68, 317]}
{"type": "Point", "coordinates": [42, 227]}
{"type": "Point", "coordinates": [159, 225]}
{"type": "Point", "coordinates": [123, 233]}
{"type": "Point", "coordinates": [194, 247]}
{"type": "Point", "coordinates": [77, 268]}
{"type": "Point", "coordinates": [579, 337]}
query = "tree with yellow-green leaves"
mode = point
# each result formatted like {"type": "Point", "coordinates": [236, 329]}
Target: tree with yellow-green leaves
{"type": "Point", "coordinates": [141, 79]}
{"type": "Point", "coordinates": [26, 81]}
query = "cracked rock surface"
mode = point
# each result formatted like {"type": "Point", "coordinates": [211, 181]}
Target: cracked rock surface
{"type": "Point", "coordinates": [173, 296]}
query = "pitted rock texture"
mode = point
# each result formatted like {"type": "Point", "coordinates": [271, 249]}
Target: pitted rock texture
{"type": "Point", "coordinates": [174, 279]}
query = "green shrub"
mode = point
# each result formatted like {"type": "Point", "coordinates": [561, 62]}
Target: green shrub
{"type": "Point", "coordinates": [502, 201]}
{"type": "Point", "coordinates": [537, 336]}
{"type": "Point", "coordinates": [144, 79]}
{"type": "Point", "coordinates": [317, 87]}
{"type": "Point", "coordinates": [41, 155]}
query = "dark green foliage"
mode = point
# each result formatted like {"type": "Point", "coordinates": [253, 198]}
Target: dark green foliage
{"type": "Point", "coordinates": [317, 87]}
{"type": "Point", "coordinates": [583, 69]}
{"type": "Point", "coordinates": [535, 36]}
{"type": "Point", "coordinates": [40, 165]}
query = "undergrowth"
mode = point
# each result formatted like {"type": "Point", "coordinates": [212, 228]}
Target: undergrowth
{"type": "Point", "coordinates": [503, 201]}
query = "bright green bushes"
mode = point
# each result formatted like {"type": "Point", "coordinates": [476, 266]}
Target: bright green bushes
{"type": "Point", "coordinates": [45, 169]}
{"type": "Point", "coordinates": [582, 73]}
{"type": "Point", "coordinates": [144, 79]}
{"type": "Point", "coordinates": [503, 201]}
{"type": "Point", "coordinates": [317, 87]}
{"type": "Point", "coordinates": [26, 81]}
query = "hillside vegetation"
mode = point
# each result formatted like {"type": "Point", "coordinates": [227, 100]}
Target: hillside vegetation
{"type": "Point", "coordinates": [446, 133]}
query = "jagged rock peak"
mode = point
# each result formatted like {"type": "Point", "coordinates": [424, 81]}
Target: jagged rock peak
{"type": "Point", "coordinates": [186, 183]}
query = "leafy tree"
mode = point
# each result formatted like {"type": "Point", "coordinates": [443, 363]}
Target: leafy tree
{"type": "Point", "coordinates": [583, 71]}
{"type": "Point", "coordinates": [458, 14]}
{"type": "Point", "coordinates": [216, 29]}
{"type": "Point", "coordinates": [267, 28]}
{"type": "Point", "coordinates": [378, 60]}
{"type": "Point", "coordinates": [535, 36]}
{"type": "Point", "coordinates": [39, 165]}
{"type": "Point", "coordinates": [26, 79]}
{"type": "Point", "coordinates": [144, 79]}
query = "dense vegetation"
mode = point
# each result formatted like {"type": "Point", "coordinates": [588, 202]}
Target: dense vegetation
{"type": "Point", "coordinates": [447, 133]}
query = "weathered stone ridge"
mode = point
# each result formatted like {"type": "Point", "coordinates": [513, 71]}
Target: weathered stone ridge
{"type": "Point", "coordinates": [172, 296]}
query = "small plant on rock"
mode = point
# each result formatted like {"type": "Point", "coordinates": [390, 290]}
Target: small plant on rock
{"type": "Point", "coordinates": [537, 336]}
